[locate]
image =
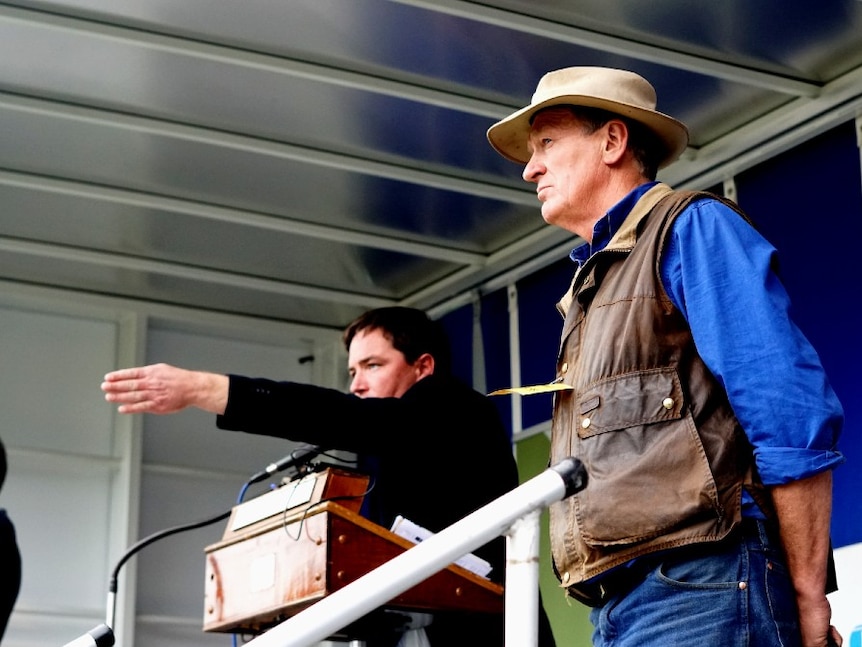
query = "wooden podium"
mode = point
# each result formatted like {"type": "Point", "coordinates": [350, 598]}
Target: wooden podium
{"type": "Point", "coordinates": [290, 547]}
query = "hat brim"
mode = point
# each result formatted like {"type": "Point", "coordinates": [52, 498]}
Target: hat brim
{"type": "Point", "coordinates": [509, 135]}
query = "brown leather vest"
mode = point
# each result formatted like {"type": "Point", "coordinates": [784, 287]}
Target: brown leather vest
{"type": "Point", "coordinates": [666, 458]}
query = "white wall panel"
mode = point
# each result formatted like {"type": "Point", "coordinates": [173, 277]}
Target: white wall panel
{"type": "Point", "coordinates": [61, 484]}
{"type": "Point", "coordinates": [49, 385]}
{"type": "Point", "coordinates": [171, 571]}
{"type": "Point", "coordinates": [60, 508]}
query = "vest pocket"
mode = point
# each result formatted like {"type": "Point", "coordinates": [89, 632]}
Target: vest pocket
{"type": "Point", "coordinates": [647, 468]}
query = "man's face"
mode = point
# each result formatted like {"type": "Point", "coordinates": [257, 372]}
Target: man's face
{"type": "Point", "coordinates": [377, 369]}
{"type": "Point", "coordinates": [566, 164]}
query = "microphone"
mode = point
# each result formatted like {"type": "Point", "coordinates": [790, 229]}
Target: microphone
{"type": "Point", "coordinates": [101, 636]}
{"type": "Point", "coordinates": [298, 457]}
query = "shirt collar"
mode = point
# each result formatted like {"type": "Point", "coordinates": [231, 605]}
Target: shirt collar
{"type": "Point", "coordinates": [607, 225]}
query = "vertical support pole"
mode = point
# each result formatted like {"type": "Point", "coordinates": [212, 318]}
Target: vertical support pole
{"type": "Point", "coordinates": [480, 381]}
{"type": "Point", "coordinates": [522, 582]}
{"type": "Point", "coordinates": [729, 188]}
{"type": "Point", "coordinates": [859, 138]}
{"type": "Point", "coordinates": [514, 358]}
{"type": "Point", "coordinates": [125, 508]}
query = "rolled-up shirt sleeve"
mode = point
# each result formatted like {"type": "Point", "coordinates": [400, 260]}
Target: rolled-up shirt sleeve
{"type": "Point", "coordinates": [721, 273]}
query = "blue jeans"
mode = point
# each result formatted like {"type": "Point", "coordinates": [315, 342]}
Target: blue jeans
{"type": "Point", "coordinates": [733, 594]}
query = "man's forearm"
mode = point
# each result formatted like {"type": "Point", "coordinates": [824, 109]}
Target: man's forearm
{"type": "Point", "coordinates": [162, 388]}
{"type": "Point", "coordinates": [804, 510]}
{"type": "Point", "coordinates": [211, 391]}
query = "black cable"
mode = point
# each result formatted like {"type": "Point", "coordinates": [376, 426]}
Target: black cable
{"type": "Point", "coordinates": [311, 506]}
{"type": "Point", "coordinates": [146, 541]}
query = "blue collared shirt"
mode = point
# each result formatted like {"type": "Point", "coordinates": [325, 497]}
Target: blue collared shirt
{"type": "Point", "coordinates": [721, 275]}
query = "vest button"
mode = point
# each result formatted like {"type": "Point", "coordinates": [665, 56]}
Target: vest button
{"type": "Point", "coordinates": [564, 367]}
{"type": "Point", "coordinates": [667, 403]}
{"type": "Point", "coordinates": [585, 423]}
{"type": "Point", "coordinates": [566, 577]}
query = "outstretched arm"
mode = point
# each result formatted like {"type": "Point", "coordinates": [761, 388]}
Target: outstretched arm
{"type": "Point", "coordinates": [162, 388]}
{"type": "Point", "coordinates": [804, 509]}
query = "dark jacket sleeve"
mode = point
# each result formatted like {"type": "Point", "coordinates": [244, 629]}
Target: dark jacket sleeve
{"type": "Point", "coordinates": [312, 414]}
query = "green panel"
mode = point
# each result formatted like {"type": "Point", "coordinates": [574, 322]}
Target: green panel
{"type": "Point", "coordinates": [569, 618]}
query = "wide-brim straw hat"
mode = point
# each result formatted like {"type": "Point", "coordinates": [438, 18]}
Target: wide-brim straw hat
{"type": "Point", "coordinates": [618, 91]}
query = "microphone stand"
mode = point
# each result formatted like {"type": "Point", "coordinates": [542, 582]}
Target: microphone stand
{"type": "Point", "coordinates": [103, 634]}
{"type": "Point", "coordinates": [146, 541]}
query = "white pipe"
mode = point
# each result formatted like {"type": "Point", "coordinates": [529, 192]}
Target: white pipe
{"type": "Point", "coordinates": [515, 358]}
{"type": "Point", "coordinates": [522, 582]}
{"type": "Point", "coordinates": [376, 588]}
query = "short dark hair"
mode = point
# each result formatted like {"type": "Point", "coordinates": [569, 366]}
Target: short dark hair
{"type": "Point", "coordinates": [411, 331]}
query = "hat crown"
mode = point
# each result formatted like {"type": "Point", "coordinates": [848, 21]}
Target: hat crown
{"type": "Point", "coordinates": [620, 92]}
{"type": "Point", "coordinates": [617, 86]}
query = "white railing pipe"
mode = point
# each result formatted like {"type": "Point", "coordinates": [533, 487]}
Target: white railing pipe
{"type": "Point", "coordinates": [377, 587]}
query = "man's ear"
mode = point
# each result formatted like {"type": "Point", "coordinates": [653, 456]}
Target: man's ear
{"type": "Point", "coordinates": [616, 141]}
{"type": "Point", "coordinates": [424, 365]}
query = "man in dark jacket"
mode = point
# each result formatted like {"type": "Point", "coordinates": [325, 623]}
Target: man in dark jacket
{"type": "Point", "coordinates": [436, 448]}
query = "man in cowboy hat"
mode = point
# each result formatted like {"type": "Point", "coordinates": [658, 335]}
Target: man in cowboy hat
{"type": "Point", "coordinates": [709, 449]}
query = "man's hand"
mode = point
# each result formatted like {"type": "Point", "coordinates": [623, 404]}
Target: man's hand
{"type": "Point", "coordinates": [815, 614]}
{"type": "Point", "coordinates": [161, 388]}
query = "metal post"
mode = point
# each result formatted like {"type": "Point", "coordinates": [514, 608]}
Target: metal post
{"type": "Point", "coordinates": [522, 582]}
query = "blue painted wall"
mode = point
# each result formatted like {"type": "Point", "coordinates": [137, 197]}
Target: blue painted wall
{"type": "Point", "coordinates": [808, 203]}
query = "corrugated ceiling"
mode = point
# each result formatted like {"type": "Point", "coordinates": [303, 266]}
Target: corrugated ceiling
{"type": "Point", "coordinates": [303, 160]}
